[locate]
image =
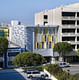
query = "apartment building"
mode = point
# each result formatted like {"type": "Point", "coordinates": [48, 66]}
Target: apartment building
{"type": "Point", "coordinates": [67, 17]}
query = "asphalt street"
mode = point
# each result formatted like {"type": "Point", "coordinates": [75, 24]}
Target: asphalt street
{"type": "Point", "coordinates": [10, 74]}
{"type": "Point", "coordinates": [15, 74]}
{"type": "Point", "coordinates": [73, 69]}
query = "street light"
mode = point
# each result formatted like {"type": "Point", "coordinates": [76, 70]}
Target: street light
{"type": "Point", "coordinates": [68, 72]}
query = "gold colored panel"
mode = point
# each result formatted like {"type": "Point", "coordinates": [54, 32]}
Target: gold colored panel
{"type": "Point", "coordinates": [49, 38]}
{"type": "Point", "coordinates": [40, 45]}
{"type": "Point", "coordinates": [43, 38]}
{"type": "Point", "coordinates": [46, 30]}
{"type": "Point", "coordinates": [5, 30]}
{"type": "Point", "coordinates": [52, 44]}
{"type": "Point", "coordinates": [44, 44]}
{"type": "Point", "coordinates": [36, 31]}
{"type": "Point", "coordinates": [35, 45]}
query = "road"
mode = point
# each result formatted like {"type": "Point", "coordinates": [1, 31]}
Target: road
{"type": "Point", "coordinates": [15, 74]}
{"type": "Point", "coordinates": [10, 74]}
{"type": "Point", "coordinates": [73, 69]}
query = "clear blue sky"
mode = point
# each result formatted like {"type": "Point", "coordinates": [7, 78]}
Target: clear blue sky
{"type": "Point", "coordinates": [24, 10]}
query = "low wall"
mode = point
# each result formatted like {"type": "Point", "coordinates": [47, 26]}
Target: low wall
{"type": "Point", "coordinates": [50, 76]}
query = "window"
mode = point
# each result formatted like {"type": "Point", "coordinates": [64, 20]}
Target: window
{"type": "Point", "coordinates": [45, 16]}
{"type": "Point", "coordinates": [78, 14]}
{"type": "Point", "coordinates": [49, 44]}
{"type": "Point", "coordinates": [68, 22]}
{"type": "Point", "coordinates": [78, 22]}
{"type": "Point", "coordinates": [40, 30]}
{"type": "Point", "coordinates": [10, 63]}
{"type": "Point", "coordinates": [45, 37]}
{"type": "Point", "coordinates": [45, 22]}
{"type": "Point", "coordinates": [68, 30]}
{"type": "Point", "coordinates": [42, 44]}
{"type": "Point", "coordinates": [70, 14]}
{"type": "Point", "coordinates": [36, 72]}
{"type": "Point", "coordinates": [38, 46]}
{"type": "Point", "coordinates": [52, 38]}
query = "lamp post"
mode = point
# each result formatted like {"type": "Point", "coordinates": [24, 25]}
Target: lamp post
{"type": "Point", "coordinates": [68, 72]}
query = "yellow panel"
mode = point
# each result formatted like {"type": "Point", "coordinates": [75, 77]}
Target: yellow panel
{"type": "Point", "coordinates": [44, 44]}
{"type": "Point", "coordinates": [6, 34]}
{"type": "Point", "coordinates": [36, 31]}
{"type": "Point", "coordinates": [35, 45]}
{"type": "Point", "coordinates": [43, 38]}
{"type": "Point", "coordinates": [40, 45]}
{"type": "Point", "coordinates": [49, 38]}
{"type": "Point", "coordinates": [52, 44]}
{"type": "Point", "coordinates": [46, 30]}
{"type": "Point", "coordinates": [5, 30]}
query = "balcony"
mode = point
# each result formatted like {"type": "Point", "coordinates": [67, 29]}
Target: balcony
{"type": "Point", "coordinates": [68, 26]}
{"type": "Point", "coordinates": [68, 34]}
{"type": "Point", "coordinates": [68, 18]}
{"type": "Point", "coordinates": [71, 42]}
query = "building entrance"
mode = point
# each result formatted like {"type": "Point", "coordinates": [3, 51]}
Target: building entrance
{"type": "Point", "coordinates": [1, 64]}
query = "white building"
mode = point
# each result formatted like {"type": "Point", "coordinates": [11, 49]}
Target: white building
{"type": "Point", "coordinates": [17, 33]}
{"type": "Point", "coordinates": [67, 17]}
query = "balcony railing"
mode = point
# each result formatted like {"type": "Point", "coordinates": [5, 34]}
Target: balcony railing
{"type": "Point", "coordinates": [66, 17]}
{"type": "Point", "coordinates": [68, 26]}
{"type": "Point", "coordinates": [72, 42]}
{"type": "Point", "coordinates": [68, 34]}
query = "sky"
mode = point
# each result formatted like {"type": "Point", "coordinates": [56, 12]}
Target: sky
{"type": "Point", "coordinates": [24, 10]}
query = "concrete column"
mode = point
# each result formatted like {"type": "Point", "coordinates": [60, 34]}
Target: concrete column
{"type": "Point", "coordinates": [61, 59]}
{"type": "Point", "coordinates": [76, 47]}
{"type": "Point", "coordinates": [76, 15]}
{"type": "Point", "coordinates": [53, 60]}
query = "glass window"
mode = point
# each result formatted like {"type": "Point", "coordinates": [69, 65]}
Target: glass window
{"type": "Point", "coordinates": [36, 72]}
{"type": "Point", "coordinates": [51, 31]}
{"type": "Point", "coordinates": [40, 30]}
{"type": "Point", "coordinates": [45, 37]}
{"type": "Point", "coordinates": [38, 46]}
{"type": "Point", "coordinates": [49, 44]}
{"type": "Point", "coordinates": [44, 31]}
{"type": "Point", "coordinates": [42, 44]}
{"type": "Point", "coordinates": [45, 16]}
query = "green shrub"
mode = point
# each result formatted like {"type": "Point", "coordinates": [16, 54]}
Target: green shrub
{"type": "Point", "coordinates": [40, 68]}
{"type": "Point", "coordinates": [57, 72]}
{"type": "Point", "coordinates": [74, 77]}
{"type": "Point", "coordinates": [29, 59]}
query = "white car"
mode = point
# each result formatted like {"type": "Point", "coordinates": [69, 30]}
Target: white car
{"type": "Point", "coordinates": [35, 73]}
{"type": "Point", "coordinates": [63, 64]}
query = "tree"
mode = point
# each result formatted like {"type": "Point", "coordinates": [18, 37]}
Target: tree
{"type": "Point", "coordinates": [3, 44]}
{"type": "Point", "coordinates": [62, 48]}
{"type": "Point", "coordinates": [78, 52]}
{"type": "Point", "coordinates": [28, 58]}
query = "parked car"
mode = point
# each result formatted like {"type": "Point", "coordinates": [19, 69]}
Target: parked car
{"type": "Point", "coordinates": [34, 73]}
{"type": "Point", "coordinates": [31, 69]}
{"type": "Point", "coordinates": [63, 64]}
